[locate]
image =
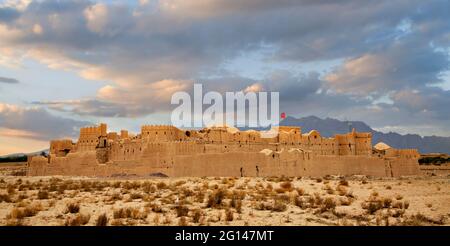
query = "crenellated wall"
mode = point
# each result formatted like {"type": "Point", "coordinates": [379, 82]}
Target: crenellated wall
{"type": "Point", "coordinates": [221, 151]}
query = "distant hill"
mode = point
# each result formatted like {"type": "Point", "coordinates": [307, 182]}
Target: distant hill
{"type": "Point", "coordinates": [20, 157]}
{"type": "Point", "coordinates": [329, 127]}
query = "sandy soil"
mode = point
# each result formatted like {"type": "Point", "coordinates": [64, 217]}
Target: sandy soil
{"type": "Point", "coordinates": [331, 200]}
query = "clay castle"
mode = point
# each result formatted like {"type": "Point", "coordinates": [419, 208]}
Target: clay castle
{"type": "Point", "coordinates": [221, 151]}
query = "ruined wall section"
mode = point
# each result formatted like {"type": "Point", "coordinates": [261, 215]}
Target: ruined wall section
{"type": "Point", "coordinates": [61, 148]}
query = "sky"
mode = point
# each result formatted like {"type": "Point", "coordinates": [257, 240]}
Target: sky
{"type": "Point", "coordinates": [68, 64]}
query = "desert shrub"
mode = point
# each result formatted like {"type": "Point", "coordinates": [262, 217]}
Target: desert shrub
{"type": "Point", "coordinates": [16, 213]}
{"type": "Point", "coordinates": [343, 182]}
{"type": "Point", "coordinates": [42, 194]}
{"type": "Point", "coordinates": [345, 201]}
{"type": "Point", "coordinates": [301, 203]}
{"type": "Point", "coordinates": [148, 187]}
{"type": "Point", "coordinates": [236, 204]}
{"type": "Point", "coordinates": [102, 220]}
{"type": "Point", "coordinates": [28, 211]}
{"type": "Point", "coordinates": [215, 199]}
{"type": "Point", "coordinates": [286, 186]}
{"type": "Point", "coordinates": [329, 190]}
{"type": "Point", "coordinates": [229, 216]}
{"type": "Point", "coordinates": [300, 191]}
{"type": "Point", "coordinates": [373, 206]}
{"type": "Point", "coordinates": [5, 198]}
{"type": "Point", "coordinates": [196, 215]}
{"type": "Point", "coordinates": [132, 213]}
{"type": "Point", "coordinates": [78, 220]}
{"type": "Point", "coordinates": [328, 204]}
{"type": "Point", "coordinates": [72, 208]}
{"type": "Point", "coordinates": [341, 190]}
{"type": "Point", "coordinates": [11, 189]}
{"type": "Point", "coordinates": [14, 222]}
{"type": "Point", "coordinates": [116, 197]}
{"type": "Point", "coordinates": [116, 184]}
{"type": "Point", "coordinates": [317, 199]}
{"type": "Point", "coordinates": [400, 204]}
{"type": "Point", "coordinates": [387, 202]}
{"type": "Point", "coordinates": [406, 204]}
{"type": "Point", "coordinates": [375, 203]}
{"type": "Point", "coordinates": [397, 213]}
{"type": "Point", "coordinates": [181, 210]}
{"type": "Point", "coordinates": [279, 206]}
{"type": "Point", "coordinates": [199, 196]}
{"type": "Point", "coordinates": [161, 185]}
{"type": "Point", "coordinates": [136, 196]}
{"type": "Point", "coordinates": [157, 208]}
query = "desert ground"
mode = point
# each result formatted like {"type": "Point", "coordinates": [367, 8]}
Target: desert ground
{"type": "Point", "coordinates": [287, 201]}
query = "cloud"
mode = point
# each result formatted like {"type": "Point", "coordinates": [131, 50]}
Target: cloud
{"type": "Point", "coordinates": [8, 14]}
{"type": "Point", "coordinates": [140, 99]}
{"type": "Point", "coordinates": [147, 51]}
{"type": "Point", "coordinates": [103, 19]}
{"type": "Point", "coordinates": [409, 63]}
{"type": "Point", "coordinates": [8, 80]}
{"type": "Point", "coordinates": [36, 123]}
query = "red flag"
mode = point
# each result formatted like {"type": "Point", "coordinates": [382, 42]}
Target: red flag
{"type": "Point", "coordinates": [283, 115]}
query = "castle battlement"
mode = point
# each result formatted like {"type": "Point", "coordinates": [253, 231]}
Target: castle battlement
{"type": "Point", "coordinates": [224, 151]}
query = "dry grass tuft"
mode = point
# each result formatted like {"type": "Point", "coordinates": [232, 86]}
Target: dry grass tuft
{"type": "Point", "coordinates": [132, 213]}
{"type": "Point", "coordinates": [229, 215]}
{"type": "Point", "coordinates": [20, 213]}
{"type": "Point", "coordinates": [102, 220]}
{"type": "Point", "coordinates": [72, 208]}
